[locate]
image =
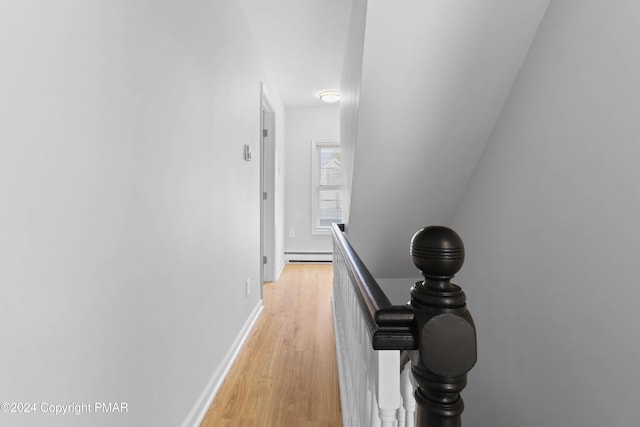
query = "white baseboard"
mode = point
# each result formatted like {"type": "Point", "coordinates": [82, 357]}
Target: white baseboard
{"type": "Point", "coordinates": [199, 410]}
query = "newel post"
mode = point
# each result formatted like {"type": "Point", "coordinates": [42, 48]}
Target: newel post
{"type": "Point", "coordinates": [446, 333]}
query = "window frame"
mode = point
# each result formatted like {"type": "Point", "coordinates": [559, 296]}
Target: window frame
{"type": "Point", "coordinates": [316, 146]}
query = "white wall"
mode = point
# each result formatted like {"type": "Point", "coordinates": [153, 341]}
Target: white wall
{"type": "Point", "coordinates": [434, 77]}
{"type": "Point", "coordinates": [303, 125]}
{"type": "Point", "coordinates": [129, 218]}
{"type": "Point", "coordinates": [550, 222]}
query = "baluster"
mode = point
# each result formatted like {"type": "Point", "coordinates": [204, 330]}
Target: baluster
{"type": "Point", "coordinates": [447, 338]}
{"type": "Point", "coordinates": [408, 401]}
{"type": "Point", "coordinates": [371, 406]}
{"type": "Point", "coordinates": [387, 382]}
{"type": "Point", "coordinates": [401, 416]}
{"type": "Point", "coordinates": [363, 356]}
{"type": "Point", "coordinates": [386, 417]}
{"type": "Point", "coordinates": [375, 419]}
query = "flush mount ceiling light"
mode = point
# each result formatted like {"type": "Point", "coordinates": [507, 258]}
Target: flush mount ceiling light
{"type": "Point", "coordinates": [330, 96]}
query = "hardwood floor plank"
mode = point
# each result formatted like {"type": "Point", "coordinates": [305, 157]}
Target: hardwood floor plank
{"type": "Point", "coordinates": [286, 374]}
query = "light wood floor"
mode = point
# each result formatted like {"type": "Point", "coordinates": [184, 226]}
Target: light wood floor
{"type": "Point", "coordinates": [286, 374]}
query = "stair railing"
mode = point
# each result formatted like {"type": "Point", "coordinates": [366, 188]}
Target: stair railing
{"type": "Point", "coordinates": [375, 339]}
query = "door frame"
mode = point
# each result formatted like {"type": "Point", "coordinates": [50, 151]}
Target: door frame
{"type": "Point", "coordinates": [268, 187]}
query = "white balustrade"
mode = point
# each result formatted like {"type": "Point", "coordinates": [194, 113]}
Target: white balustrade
{"type": "Point", "coordinates": [374, 391]}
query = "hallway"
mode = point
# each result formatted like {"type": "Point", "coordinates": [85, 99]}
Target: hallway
{"type": "Point", "coordinates": [286, 374]}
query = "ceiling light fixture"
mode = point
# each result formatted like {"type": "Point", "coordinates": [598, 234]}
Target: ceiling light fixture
{"type": "Point", "coordinates": [330, 96]}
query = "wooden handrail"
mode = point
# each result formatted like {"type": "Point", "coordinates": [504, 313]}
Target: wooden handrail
{"type": "Point", "coordinates": [436, 322]}
{"type": "Point", "coordinates": [391, 327]}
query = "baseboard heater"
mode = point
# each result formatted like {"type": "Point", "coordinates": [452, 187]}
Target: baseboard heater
{"type": "Point", "coordinates": [308, 257]}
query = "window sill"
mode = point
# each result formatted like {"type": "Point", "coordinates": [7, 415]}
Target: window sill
{"type": "Point", "coordinates": [321, 231]}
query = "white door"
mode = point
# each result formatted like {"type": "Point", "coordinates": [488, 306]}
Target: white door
{"type": "Point", "coordinates": [268, 193]}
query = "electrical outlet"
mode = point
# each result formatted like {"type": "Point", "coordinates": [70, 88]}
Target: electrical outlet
{"type": "Point", "coordinates": [248, 285]}
{"type": "Point", "coordinates": [292, 233]}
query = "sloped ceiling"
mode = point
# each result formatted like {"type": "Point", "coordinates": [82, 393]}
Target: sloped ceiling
{"type": "Point", "coordinates": [435, 75]}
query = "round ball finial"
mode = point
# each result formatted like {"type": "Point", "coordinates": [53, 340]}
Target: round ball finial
{"type": "Point", "coordinates": [437, 251]}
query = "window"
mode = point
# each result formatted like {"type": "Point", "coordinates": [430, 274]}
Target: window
{"type": "Point", "coordinates": [327, 186]}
